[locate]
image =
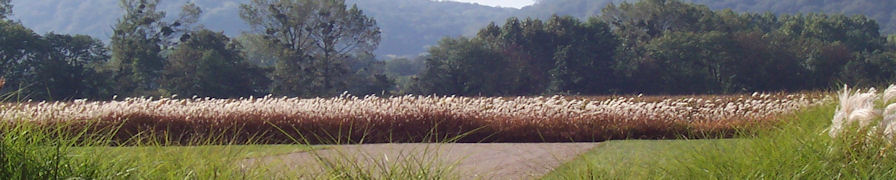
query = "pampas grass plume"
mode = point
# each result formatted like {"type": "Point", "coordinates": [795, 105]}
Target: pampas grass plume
{"type": "Point", "coordinates": [889, 94]}
{"type": "Point", "coordinates": [854, 107]}
{"type": "Point", "coordinates": [889, 121]}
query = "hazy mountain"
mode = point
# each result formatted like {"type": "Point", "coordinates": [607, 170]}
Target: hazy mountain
{"type": "Point", "coordinates": [408, 25]}
{"type": "Point", "coordinates": [880, 10]}
{"type": "Point", "coordinates": [96, 17]}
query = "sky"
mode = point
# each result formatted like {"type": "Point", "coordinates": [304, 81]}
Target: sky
{"type": "Point", "coordinates": [501, 3]}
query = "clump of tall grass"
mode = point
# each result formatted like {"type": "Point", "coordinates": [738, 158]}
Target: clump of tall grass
{"type": "Point", "coordinates": [842, 140]}
{"type": "Point", "coordinates": [32, 151]}
{"type": "Point", "coordinates": [345, 163]}
{"type": "Point", "coordinates": [888, 123]}
{"type": "Point", "coordinates": [355, 162]}
{"type": "Point", "coordinates": [861, 110]}
{"type": "Point", "coordinates": [855, 107]}
{"type": "Point", "coordinates": [408, 118]}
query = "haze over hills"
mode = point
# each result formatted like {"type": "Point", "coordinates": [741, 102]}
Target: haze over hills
{"type": "Point", "coordinates": [409, 26]}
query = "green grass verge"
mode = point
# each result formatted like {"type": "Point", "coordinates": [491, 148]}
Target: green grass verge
{"type": "Point", "coordinates": [799, 148]}
{"type": "Point", "coordinates": [238, 151]}
{"type": "Point", "coordinates": [183, 162]}
{"type": "Point", "coordinates": [637, 159]}
{"type": "Point", "coordinates": [32, 151]}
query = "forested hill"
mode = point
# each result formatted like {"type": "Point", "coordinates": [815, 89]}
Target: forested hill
{"type": "Point", "coordinates": [410, 26]}
{"type": "Point", "coordinates": [880, 10]}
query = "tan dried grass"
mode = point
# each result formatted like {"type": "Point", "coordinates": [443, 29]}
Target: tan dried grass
{"type": "Point", "coordinates": [350, 119]}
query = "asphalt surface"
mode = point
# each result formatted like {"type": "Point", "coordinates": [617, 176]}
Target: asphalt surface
{"type": "Point", "coordinates": [464, 161]}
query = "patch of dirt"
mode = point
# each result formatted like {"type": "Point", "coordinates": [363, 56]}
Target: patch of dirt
{"type": "Point", "coordinates": [466, 161]}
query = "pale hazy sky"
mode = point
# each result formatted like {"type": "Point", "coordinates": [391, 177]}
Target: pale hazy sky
{"type": "Point", "coordinates": [502, 3]}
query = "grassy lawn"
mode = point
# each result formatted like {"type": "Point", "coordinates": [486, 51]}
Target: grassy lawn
{"type": "Point", "coordinates": [238, 151]}
{"type": "Point", "coordinates": [639, 159]}
{"type": "Point", "coordinates": [799, 148]}
{"type": "Point", "coordinates": [179, 162]}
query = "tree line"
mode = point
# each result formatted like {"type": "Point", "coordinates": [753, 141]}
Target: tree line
{"type": "Point", "coordinates": [661, 47]}
{"type": "Point", "coordinates": [880, 10]}
{"type": "Point", "coordinates": [322, 48]}
{"type": "Point", "coordinates": [319, 48]}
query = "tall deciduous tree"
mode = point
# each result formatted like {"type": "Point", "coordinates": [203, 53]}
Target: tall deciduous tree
{"type": "Point", "coordinates": [71, 68]}
{"type": "Point", "coordinates": [584, 56]}
{"type": "Point", "coordinates": [5, 9]}
{"type": "Point", "coordinates": [464, 67]}
{"type": "Point", "coordinates": [138, 40]}
{"type": "Point", "coordinates": [209, 64]}
{"type": "Point", "coordinates": [19, 48]}
{"type": "Point", "coordinates": [52, 67]}
{"type": "Point", "coordinates": [314, 38]}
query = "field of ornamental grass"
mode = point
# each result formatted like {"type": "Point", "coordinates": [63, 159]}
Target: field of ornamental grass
{"type": "Point", "coordinates": [350, 119]}
{"type": "Point", "coordinates": [844, 135]}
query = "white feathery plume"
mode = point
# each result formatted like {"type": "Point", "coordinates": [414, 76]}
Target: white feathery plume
{"type": "Point", "coordinates": [854, 107]}
{"type": "Point", "coordinates": [889, 94]}
{"type": "Point", "coordinates": [889, 121]}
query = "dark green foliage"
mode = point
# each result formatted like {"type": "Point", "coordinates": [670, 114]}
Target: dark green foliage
{"type": "Point", "coordinates": [369, 76]}
{"type": "Point", "coordinates": [871, 68]}
{"type": "Point", "coordinates": [523, 57]}
{"type": "Point", "coordinates": [72, 69]}
{"type": "Point", "coordinates": [691, 49]}
{"type": "Point", "coordinates": [464, 67]}
{"type": "Point", "coordinates": [411, 25]}
{"type": "Point", "coordinates": [139, 38]}
{"type": "Point", "coordinates": [136, 47]}
{"type": "Point", "coordinates": [563, 55]}
{"type": "Point", "coordinates": [5, 9]}
{"type": "Point", "coordinates": [19, 48]}
{"type": "Point", "coordinates": [403, 71]}
{"type": "Point", "coordinates": [584, 56]}
{"type": "Point", "coordinates": [209, 64]}
{"type": "Point", "coordinates": [312, 41]}
{"type": "Point", "coordinates": [879, 10]}
{"type": "Point", "coordinates": [55, 67]}
{"type": "Point", "coordinates": [662, 47]}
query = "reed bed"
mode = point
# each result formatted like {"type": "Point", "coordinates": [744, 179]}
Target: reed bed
{"type": "Point", "coordinates": [370, 119]}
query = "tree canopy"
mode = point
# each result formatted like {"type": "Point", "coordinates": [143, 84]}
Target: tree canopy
{"type": "Point", "coordinates": [661, 47]}
{"type": "Point", "coordinates": [312, 41]}
{"type": "Point", "coordinates": [209, 64]}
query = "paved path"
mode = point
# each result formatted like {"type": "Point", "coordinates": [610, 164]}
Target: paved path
{"type": "Point", "coordinates": [469, 161]}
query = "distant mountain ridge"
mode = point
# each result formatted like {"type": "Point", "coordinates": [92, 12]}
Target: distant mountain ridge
{"type": "Point", "coordinates": [409, 26]}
